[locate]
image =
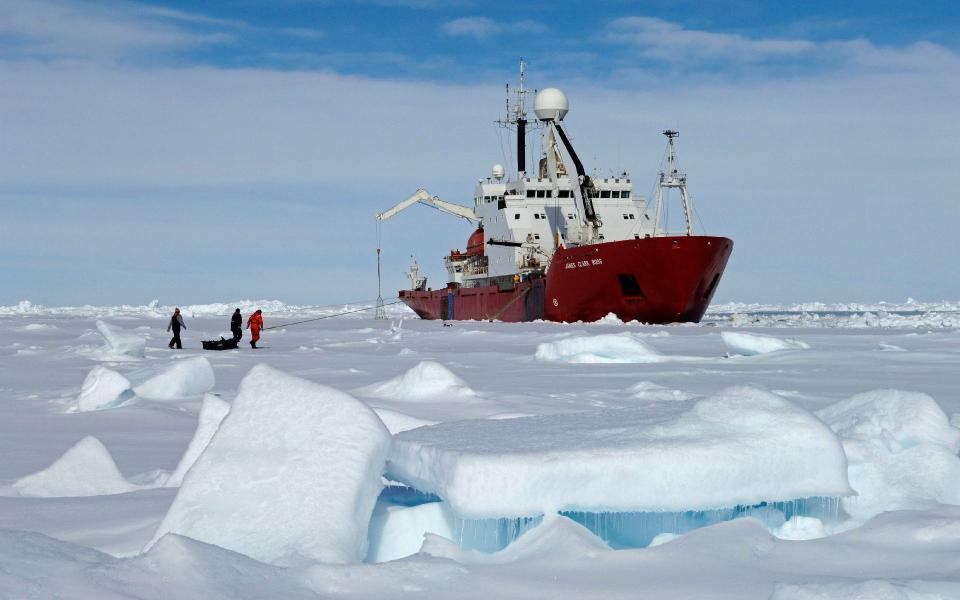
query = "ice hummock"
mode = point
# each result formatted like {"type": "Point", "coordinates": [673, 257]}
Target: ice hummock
{"type": "Point", "coordinates": [291, 475]}
{"type": "Point", "coordinates": [86, 469]}
{"type": "Point", "coordinates": [212, 412]}
{"type": "Point", "coordinates": [753, 344]}
{"type": "Point", "coordinates": [102, 388]}
{"type": "Point", "coordinates": [427, 380]}
{"type": "Point", "coordinates": [902, 451]}
{"type": "Point", "coordinates": [606, 348]}
{"type": "Point", "coordinates": [120, 343]}
{"type": "Point", "coordinates": [184, 378]}
{"type": "Point", "coordinates": [751, 445]}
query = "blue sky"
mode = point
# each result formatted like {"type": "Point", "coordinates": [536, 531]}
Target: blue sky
{"type": "Point", "coordinates": [196, 152]}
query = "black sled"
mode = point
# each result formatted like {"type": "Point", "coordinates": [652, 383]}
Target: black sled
{"type": "Point", "coordinates": [220, 344]}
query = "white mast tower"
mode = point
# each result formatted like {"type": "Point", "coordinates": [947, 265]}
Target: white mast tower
{"type": "Point", "coordinates": [672, 178]}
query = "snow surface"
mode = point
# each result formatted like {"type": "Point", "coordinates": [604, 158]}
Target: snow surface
{"type": "Point", "coordinates": [606, 348]}
{"type": "Point", "coordinates": [102, 388]}
{"type": "Point", "coordinates": [753, 446]}
{"type": "Point", "coordinates": [291, 475]}
{"type": "Point", "coordinates": [752, 344]}
{"type": "Point", "coordinates": [180, 379]}
{"type": "Point", "coordinates": [86, 469]}
{"type": "Point", "coordinates": [120, 343]}
{"type": "Point", "coordinates": [87, 547]}
{"type": "Point", "coordinates": [212, 412]}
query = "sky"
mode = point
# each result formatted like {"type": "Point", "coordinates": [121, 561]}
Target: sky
{"type": "Point", "coordinates": [198, 152]}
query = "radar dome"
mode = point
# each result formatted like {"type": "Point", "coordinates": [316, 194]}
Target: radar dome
{"type": "Point", "coordinates": [551, 104]}
{"type": "Point", "coordinates": [497, 171]}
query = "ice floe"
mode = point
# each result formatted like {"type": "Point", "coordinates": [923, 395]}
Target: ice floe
{"type": "Point", "coordinates": [86, 469]}
{"type": "Point", "coordinates": [902, 451]}
{"type": "Point", "coordinates": [753, 446]}
{"type": "Point", "coordinates": [428, 380]}
{"type": "Point", "coordinates": [752, 344]}
{"type": "Point", "coordinates": [212, 412]}
{"type": "Point", "coordinates": [606, 348]}
{"type": "Point", "coordinates": [291, 475]}
{"type": "Point", "coordinates": [398, 421]}
{"type": "Point", "coordinates": [183, 378]}
{"type": "Point", "coordinates": [102, 388]}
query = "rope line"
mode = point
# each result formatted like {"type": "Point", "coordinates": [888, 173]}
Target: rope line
{"type": "Point", "coordinates": [347, 312]}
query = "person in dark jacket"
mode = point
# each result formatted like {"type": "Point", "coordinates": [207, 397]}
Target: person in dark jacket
{"type": "Point", "coordinates": [236, 324]}
{"type": "Point", "coordinates": [176, 324]}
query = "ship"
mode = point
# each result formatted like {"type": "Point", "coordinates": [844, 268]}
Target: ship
{"type": "Point", "coordinates": [563, 245]}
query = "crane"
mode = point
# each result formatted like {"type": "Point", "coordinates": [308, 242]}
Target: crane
{"type": "Point", "coordinates": [422, 196]}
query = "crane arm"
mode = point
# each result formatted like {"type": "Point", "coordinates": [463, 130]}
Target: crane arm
{"type": "Point", "coordinates": [424, 197]}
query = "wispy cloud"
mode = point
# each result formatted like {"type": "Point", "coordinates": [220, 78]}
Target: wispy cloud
{"type": "Point", "coordinates": [481, 28]}
{"type": "Point", "coordinates": [67, 29]}
{"type": "Point", "coordinates": [678, 46]}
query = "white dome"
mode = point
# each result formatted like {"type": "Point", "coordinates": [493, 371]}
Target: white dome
{"type": "Point", "coordinates": [497, 171]}
{"type": "Point", "coordinates": [550, 104]}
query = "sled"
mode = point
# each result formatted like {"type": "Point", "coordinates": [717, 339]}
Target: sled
{"type": "Point", "coordinates": [220, 344]}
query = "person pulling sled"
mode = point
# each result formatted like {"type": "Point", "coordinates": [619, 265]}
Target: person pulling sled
{"type": "Point", "coordinates": [255, 324]}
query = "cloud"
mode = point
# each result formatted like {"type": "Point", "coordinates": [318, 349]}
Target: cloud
{"type": "Point", "coordinates": [679, 46]}
{"type": "Point", "coordinates": [481, 28]}
{"type": "Point", "coordinates": [63, 28]}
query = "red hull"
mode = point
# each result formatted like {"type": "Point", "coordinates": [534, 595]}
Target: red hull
{"type": "Point", "coordinates": [651, 280]}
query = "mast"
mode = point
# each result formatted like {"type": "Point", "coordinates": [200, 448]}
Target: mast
{"type": "Point", "coordinates": [673, 178]}
{"type": "Point", "coordinates": [517, 116]}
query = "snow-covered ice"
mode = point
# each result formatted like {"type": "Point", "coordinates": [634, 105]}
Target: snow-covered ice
{"type": "Point", "coordinates": [102, 388]}
{"type": "Point", "coordinates": [180, 379]}
{"type": "Point", "coordinates": [212, 412]}
{"type": "Point", "coordinates": [120, 343]}
{"type": "Point", "coordinates": [901, 532]}
{"type": "Point", "coordinates": [86, 469]}
{"type": "Point", "coordinates": [291, 475]}
{"type": "Point", "coordinates": [604, 348]}
{"type": "Point", "coordinates": [752, 344]}
{"type": "Point", "coordinates": [752, 446]}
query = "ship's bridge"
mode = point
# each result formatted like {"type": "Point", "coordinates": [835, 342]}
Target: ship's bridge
{"type": "Point", "coordinates": [531, 211]}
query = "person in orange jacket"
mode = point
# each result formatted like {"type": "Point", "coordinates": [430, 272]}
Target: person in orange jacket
{"type": "Point", "coordinates": [255, 324]}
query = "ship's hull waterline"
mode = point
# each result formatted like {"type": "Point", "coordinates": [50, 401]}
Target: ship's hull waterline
{"type": "Point", "coordinates": [668, 279]}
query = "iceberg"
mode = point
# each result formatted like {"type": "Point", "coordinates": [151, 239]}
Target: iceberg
{"type": "Point", "coordinates": [290, 477]}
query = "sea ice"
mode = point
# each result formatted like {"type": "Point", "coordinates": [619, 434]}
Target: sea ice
{"type": "Point", "coordinates": [752, 344]}
{"type": "Point", "coordinates": [647, 390]}
{"type": "Point", "coordinates": [183, 378]}
{"type": "Point", "coordinates": [753, 446]}
{"type": "Point", "coordinates": [86, 469]}
{"type": "Point", "coordinates": [103, 388]}
{"type": "Point", "coordinates": [902, 451]}
{"type": "Point", "coordinates": [212, 413]}
{"type": "Point", "coordinates": [120, 342]}
{"type": "Point", "coordinates": [291, 475]}
{"type": "Point", "coordinates": [428, 380]}
{"type": "Point", "coordinates": [398, 421]}
{"type": "Point", "coordinates": [607, 348]}
{"type": "Point", "coordinates": [397, 531]}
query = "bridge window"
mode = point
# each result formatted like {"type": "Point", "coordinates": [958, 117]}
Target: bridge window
{"type": "Point", "coordinates": [625, 194]}
{"type": "Point", "coordinates": [563, 194]}
{"type": "Point", "coordinates": [531, 193]}
{"type": "Point", "coordinates": [615, 194]}
{"type": "Point", "coordinates": [605, 193]}
{"type": "Point", "coordinates": [549, 193]}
